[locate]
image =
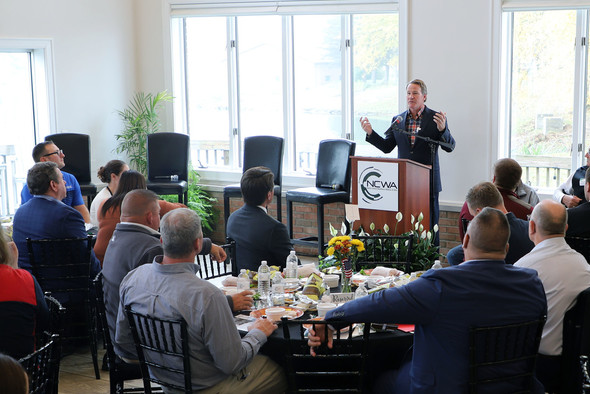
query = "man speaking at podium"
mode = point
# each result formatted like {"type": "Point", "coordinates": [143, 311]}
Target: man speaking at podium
{"type": "Point", "coordinates": [405, 132]}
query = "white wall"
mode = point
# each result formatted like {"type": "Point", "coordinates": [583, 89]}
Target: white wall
{"type": "Point", "coordinates": [94, 62]}
{"type": "Point", "coordinates": [106, 50]}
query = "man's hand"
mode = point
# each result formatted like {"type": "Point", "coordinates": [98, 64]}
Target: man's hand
{"type": "Point", "coordinates": [317, 336]}
{"type": "Point", "coordinates": [264, 325]}
{"type": "Point", "coordinates": [366, 125]}
{"type": "Point", "coordinates": [243, 300]}
{"type": "Point", "coordinates": [218, 253]}
{"type": "Point", "coordinates": [570, 201]}
{"type": "Point", "coordinates": [441, 121]}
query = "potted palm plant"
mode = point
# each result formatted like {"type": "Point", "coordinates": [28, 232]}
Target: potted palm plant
{"type": "Point", "coordinates": [140, 118]}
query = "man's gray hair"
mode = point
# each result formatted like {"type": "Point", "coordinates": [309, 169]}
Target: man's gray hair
{"type": "Point", "coordinates": [40, 176]}
{"type": "Point", "coordinates": [179, 229]}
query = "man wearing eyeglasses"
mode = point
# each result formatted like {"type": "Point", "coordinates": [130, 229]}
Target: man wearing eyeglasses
{"type": "Point", "coordinates": [48, 151]}
{"type": "Point", "coordinates": [571, 192]}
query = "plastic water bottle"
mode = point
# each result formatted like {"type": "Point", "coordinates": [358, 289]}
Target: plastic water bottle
{"type": "Point", "coordinates": [243, 281]}
{"type": "Point", "coordinates": [264, 282]}
{"type": "Point", "coordinates": [436, 265]}
{"type": "Point", "coordinates": [278, 290]}
{"type": "Point", "coordinates": [291, 266]}
{"type": "Point", "coordinates": [361, 291]}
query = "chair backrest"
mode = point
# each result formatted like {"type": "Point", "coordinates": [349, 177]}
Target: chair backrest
{"type": "Point", "coordinates": [41, 367]}
{"type": "Point", "coordinates": [267, 151]}
{"type": "Point", "coordinates": [161, 344]}
{"type": "Point", "coordinates": [386, 250]}
{"type": "Point", "coordinates": [585, 375]}
{"type": "Point", "coordinates": [464, 224]}
{"type": "Point", "coordinates": [56, 315]}
{"type": "Point", "coordinates": [342, 368]}
{"type": "Point", "coordinates": [576, 341]}
{"type": "Point", "coordinates": [333, 167]}
{"type": "Point", "coordinates": [62, 267]}
{"type": "Point", "coordinates": [209, 268]}
{"type": "Point", "coordinates": [76, 147]}
{"type": "Point", "coordinates": [580, 245]}
{"type": "Point", "coordinates": [503, 358]}
{"type": "Point", "coordinates": [167, 155]}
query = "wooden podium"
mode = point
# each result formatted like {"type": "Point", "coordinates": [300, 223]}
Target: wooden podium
{"type": "Point", "coordinates": [413, 193]}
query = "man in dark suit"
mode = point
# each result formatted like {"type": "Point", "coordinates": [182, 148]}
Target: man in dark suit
{"type": "Point", "coordinates": [45, 216]}
{"type": "Point", "coordinates": [486, 194]}
{"type": "Point", "coordinates": [258, 236]}
{"type": "Point", "coordinates": [444, 304]}
{"type": "Point", "coordinates": [578, 218]}
{"type": "Point", "coordinates": [422, 121]}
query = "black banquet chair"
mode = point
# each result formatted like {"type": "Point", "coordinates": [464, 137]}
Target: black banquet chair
{"type": "Point", "coordinates": [162, 349]}
{"type": "Point", "coordinates": [76, 147]}
{"type": "Point", "coordinates": [580, 245]}
{"type": "Point", "coordinates": [209, 268]}
{"type": "Point", "coordinates": [167, 161]}
{"type": "Point", "coordinates": [42, 366]}
{"type": "Point", "coordinates": [343, 368]}
{"type": "Point", "coordinates": [63, 267]}
{"type": "Point", "coordinates": [119, 371]}
{"type": "Point", "coordinates": [502, 359]}
{"type": "Point", "coordinates": [262, 150]}
{"type": "Point", "coordinates": [576, 343]}
{"type": "Point", "coordinates": [332, 184]}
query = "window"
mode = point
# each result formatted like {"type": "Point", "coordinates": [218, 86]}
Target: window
{"type": "Point", "coordinates": [24, 109]}
{"type": "Point", "coordinates": [545, 92]}
{"type": "Point", "coordinates": [302, 73]}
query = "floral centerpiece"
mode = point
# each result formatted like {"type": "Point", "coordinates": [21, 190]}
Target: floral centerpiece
{"type": "Point", "coordinates": [342, 252]}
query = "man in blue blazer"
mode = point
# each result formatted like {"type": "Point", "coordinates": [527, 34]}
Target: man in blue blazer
{"type": "Point", "coordinates": [444, 304]}
{"type": "Point", "coordinates": [45, 215]}
{"type": "Point", "coordinates": [258, 235]}
{"type": "Point", "coordinates": [422, 121]}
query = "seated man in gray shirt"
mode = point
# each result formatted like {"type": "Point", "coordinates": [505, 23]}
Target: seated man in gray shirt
{"type": "Point", "coordinates": [168, 288]}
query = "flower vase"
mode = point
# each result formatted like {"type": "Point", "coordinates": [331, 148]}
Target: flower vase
{"type": "Point", "coordinates": [346, 276]}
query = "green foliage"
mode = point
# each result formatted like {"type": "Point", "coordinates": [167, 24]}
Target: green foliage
{"type": "Point", "coordinates": [140, 119]}
{"type": "Point", "coordinates": [200, 202]}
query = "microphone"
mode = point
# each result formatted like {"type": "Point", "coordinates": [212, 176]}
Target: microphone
{"type": "Point", "coordinates": [395, 125]}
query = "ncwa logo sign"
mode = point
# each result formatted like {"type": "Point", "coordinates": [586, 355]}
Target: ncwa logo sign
{"type": "Point", "coordinates": [378, 186]}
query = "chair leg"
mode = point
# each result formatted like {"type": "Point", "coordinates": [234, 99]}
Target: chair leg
{"type": "Point", "coordinates": [320, 212]}
{"type": "Point", "coordinates": [92, 328]}
{"type": "Point", "coordinates": [279, 208]}
{"type": "Point", "coordinates": [225, 211]}
{"type": "Point", "coordinates": [290, 218]}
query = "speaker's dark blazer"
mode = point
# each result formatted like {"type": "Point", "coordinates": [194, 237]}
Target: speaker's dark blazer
{"type": "Point", "coordinates": [420, 152]}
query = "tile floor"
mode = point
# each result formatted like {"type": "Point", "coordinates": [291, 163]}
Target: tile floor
{"type": "Point", "coordinates": [76, 375]}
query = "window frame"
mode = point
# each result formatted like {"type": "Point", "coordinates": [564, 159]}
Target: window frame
{"type": "Point", "coordinates": [504, 11]}
{"type": "Point", "coordinates": [44, 119]}
{"type": "Point", "coordinates": [176, 9]}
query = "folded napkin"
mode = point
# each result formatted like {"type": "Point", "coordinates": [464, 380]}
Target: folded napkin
{"type": "Point", "coordinates": [307, 269]}
{"type": "Point", "coordinates": [384, 271]}
{"type": "Point", "coordinates": [230, 281]}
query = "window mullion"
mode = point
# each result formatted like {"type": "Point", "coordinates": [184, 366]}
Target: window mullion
{"type": "Point", "coordinates": [347, 78]}
{"type": "Point", "coordinates": [289, 95]}
{"type": "Point", "coordinates": [233, 93]}
{"type": "Point", "coordinates": [579, 89]}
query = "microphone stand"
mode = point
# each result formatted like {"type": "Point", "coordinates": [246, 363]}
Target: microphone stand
{"type": "Point", "coordinates": [433, 144]}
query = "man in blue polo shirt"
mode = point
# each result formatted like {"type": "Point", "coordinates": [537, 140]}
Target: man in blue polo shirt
{"type": "Point", "coordinates": [48, 151]}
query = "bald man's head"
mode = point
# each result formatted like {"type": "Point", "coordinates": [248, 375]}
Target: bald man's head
{"type": "Point", "coordinates": [488, 234]}
{"type": "Point", "coordinates": [139, 206]}
{"type": "Point", "coordinates": [550, 218]}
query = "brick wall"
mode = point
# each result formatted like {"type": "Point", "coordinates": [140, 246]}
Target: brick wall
{"type": "Point", "coordinates": [305, 219]}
